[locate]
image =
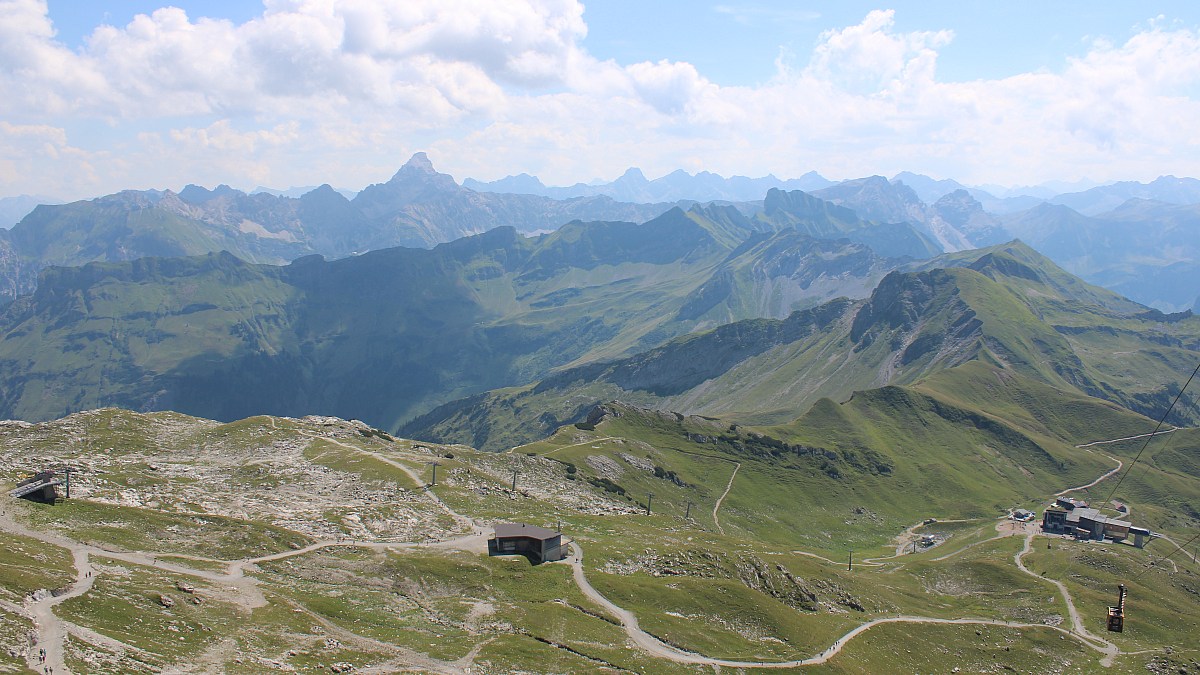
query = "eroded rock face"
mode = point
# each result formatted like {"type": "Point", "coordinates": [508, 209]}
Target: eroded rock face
{"type": "Point", "coordinates": [605, 466]}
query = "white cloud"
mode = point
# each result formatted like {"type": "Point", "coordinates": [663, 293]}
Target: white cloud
{"type": "Point", "coordinates": [750, 13]}
{"type": "Point", "coordinates": [39, 157]}
{"type": "Point", "coordinates": [314, 87]}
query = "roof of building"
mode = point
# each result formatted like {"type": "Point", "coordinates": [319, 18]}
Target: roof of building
{"type": "Point", "coordinates": [1094, 516]}
{"type": "Point", "coordinates": [504, 530]}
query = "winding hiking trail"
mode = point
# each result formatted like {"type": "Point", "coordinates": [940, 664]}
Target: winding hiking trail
{"type": "Point", "coordinates": [1101, 645]}
{"type": "Point", "coordinates": [564, 447]}
{"type": "Point", "coordinates": [462, 520]}
{"type": "Point", "coordinates": [656, 647]}
{"type": "Point", "coordinates": [1127, 438]}
{"type": "Point", "coordinates": [1110, 474]}
{"type": "Point", "coordinates": [717, 506]}
{"type": "Point", "coordinates": [51, 631]}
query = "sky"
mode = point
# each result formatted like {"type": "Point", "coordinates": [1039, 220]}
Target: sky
{"type": "Point", "coordinates": [98, 96]}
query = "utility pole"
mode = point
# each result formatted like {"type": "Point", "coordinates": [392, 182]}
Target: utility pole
{"type": "Point", "coordinates": [435, 465]}
{"type": "Point", "coordinates": [514, 482]}
{"type": "Point", "coordinates": [649, 501]}
{"type": "Point", "coordinates": [67, 484]}
{"type": "Point", "coordinates": [850, 565]}
{"type": "Point", "coordinates": [688, 514]}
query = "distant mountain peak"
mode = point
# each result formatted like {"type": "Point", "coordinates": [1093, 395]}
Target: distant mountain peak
{"type": "Point", "coordinates": [419, 162]}
{"type": "Point", "coordinates": [196, 194]}
{"type": "Point", "coordinates": [632, 175]}
{"type": "Point", "coordinates": [419, 171]}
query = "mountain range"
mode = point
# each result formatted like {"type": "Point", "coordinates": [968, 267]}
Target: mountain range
{"type": "Point", "coordinates": [679, 185]}
{"type": "Point", "coordinates": [1120, 236]}
{"type": "Point", "coordinates": [1006, 305]}
{"type": "Point", "coordinates": [417, 207]}
{"type": "Point", "coordinates": [388, 334]}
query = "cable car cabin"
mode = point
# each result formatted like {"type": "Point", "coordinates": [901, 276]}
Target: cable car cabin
{"type": "Point", "coordinates": [1116, 622]}
{"type": "Point", "coordinates": [1116, 615]}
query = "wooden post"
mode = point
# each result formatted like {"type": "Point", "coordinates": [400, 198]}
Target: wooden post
{"type": "Point", "coordinates": [688, 514]}
{"type": "Point", "coordinates": [514, 483]}
{"type": "Point", "coordinates": [850, 565]}
{"type": "Point", "coordinates": [649, 501]}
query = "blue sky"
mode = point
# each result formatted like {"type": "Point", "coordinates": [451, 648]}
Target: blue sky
{"type": "Point", "coordinates": [102, 96]}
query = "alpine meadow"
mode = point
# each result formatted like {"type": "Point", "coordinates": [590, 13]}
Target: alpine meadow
{"type": "Point", "coordinates": [330, 344]}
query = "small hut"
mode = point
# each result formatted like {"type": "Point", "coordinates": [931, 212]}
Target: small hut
{"type": "Point", "coordinates": [536, 543]}
{"type": "Point", "coordinates": [40, 487]}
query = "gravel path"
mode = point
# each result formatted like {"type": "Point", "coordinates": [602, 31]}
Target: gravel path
{"type": "Point", "coordinates": [724, 494]}
{"type": "Point", "coordinates": [656, 647]}
{"type": "Point", "coordinates": [1101, 645]}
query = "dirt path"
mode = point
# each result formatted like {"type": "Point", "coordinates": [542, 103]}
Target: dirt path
{"type": "Point", "coordinates": [233, 584]}
{"type": "Point", "coordinates": [573, 445]}
{"type": "Point", "coordinates": [1120, 464]}
{"type": "Point", "coordinates": [905, 539]}
{"type": "Point", "coordinates": [724, 494]}
{"type": "Point", "coordinates": [1127, 438]}
{"type": "Point", "coordinates": [656, 647]}
{"type": "Point", "coordinates": [50, 630]}
{"type": "Point", "coordinates": [1107, 648]}
{"type": "Point", "coordinates": [462, 520]}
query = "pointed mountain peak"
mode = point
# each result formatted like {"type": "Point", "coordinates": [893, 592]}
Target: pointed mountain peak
{"type": "Point", "coordinates": [632, 175]}
{"type": "Point", "coordinates": [419, 162]}
{"type": "Point", "coordinates": [323, 194]}
{"type": "Point", "coordinates": [418, 170]}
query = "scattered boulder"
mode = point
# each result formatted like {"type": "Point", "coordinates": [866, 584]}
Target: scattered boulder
{"type": "Point", "coordinates": [166, 601]}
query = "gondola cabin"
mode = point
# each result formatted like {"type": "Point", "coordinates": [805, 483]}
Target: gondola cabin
{"type": "Point", "coordinates": [1116, 615]}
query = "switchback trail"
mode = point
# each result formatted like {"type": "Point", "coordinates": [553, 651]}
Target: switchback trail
{"type": "Point", "coordinates": [1101, 645]}
{"type": "Point", "coordinates": [656, 647]}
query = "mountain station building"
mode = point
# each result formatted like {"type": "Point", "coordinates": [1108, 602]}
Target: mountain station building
{"type": "Point", "coordinates": [1077, 519]}
{"type": "Point", "coordinates": [537, 543]}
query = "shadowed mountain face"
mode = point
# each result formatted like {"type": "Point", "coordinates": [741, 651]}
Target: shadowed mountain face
{"type": "Point", "coordinates": [1006, 306]}
{"type": "Point", "coordinates": [389, 334]}
{"type": "Point", "coordinates": [417, 207]}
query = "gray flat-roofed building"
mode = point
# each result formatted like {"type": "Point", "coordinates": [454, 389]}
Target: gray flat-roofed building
{"type": "Point", "coordinates": [1098, 526]}
{"type": "Point", "coordinates": [537, 543]}
{"type": "Point", "coordinates": [1089, 523]}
